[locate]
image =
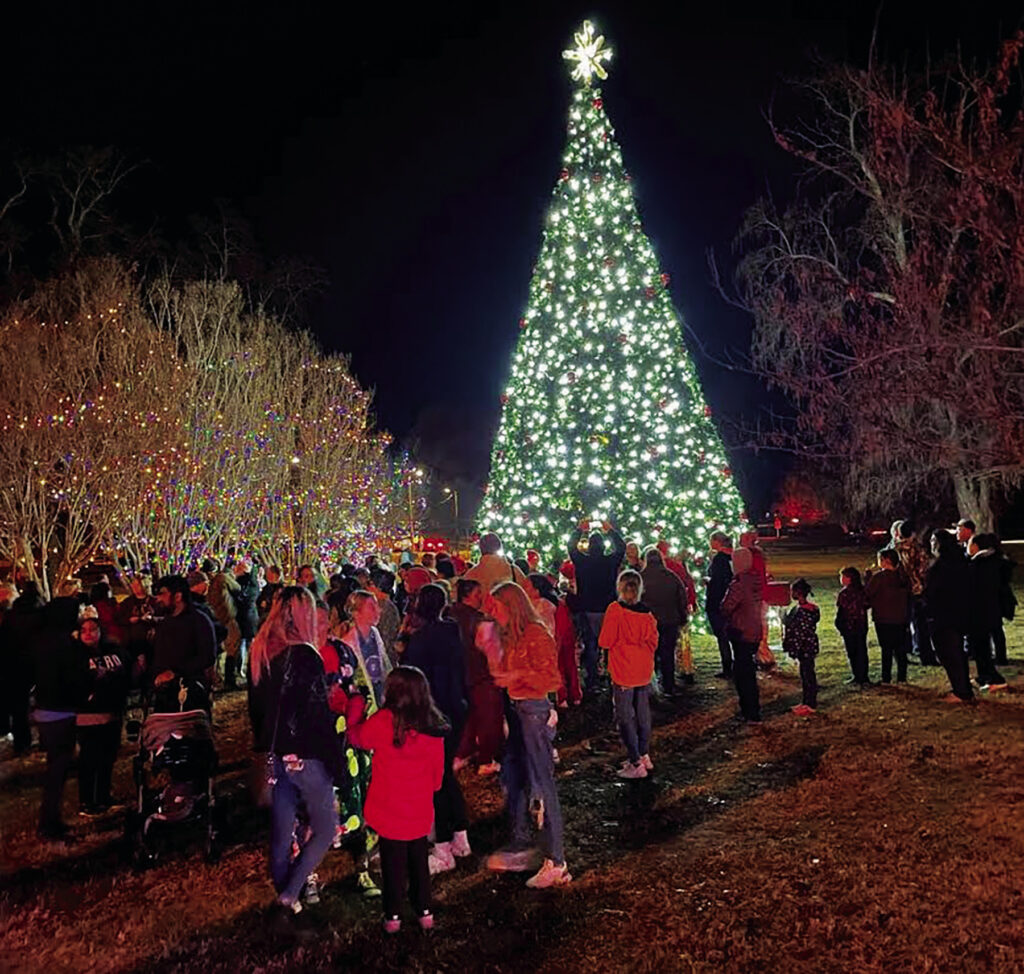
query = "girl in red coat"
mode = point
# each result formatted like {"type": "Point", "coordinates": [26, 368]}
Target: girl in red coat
{"type": "Point", "coordinates": [407, 740]}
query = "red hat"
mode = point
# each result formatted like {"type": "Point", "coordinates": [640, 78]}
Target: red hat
{"type": "Point", "coordinates": [416, 578]}
{"type": "Point", "coordinates": [568, 569]}
{"type": "Point", "coordinates": [532, 555]}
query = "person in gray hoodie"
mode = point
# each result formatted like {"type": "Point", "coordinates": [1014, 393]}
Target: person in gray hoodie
{"type": "Point", "coordinates": [741, 614]}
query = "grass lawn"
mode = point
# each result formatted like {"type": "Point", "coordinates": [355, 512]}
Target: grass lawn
{"type": "Point", "coordinates": [882, 834]}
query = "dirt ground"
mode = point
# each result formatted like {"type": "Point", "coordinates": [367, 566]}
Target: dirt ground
{"type": "Point", "coordinates": [881, 834]}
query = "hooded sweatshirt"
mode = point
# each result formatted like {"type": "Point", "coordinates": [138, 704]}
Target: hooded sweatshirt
{"type": "Point", "coordinates": [630, 634]}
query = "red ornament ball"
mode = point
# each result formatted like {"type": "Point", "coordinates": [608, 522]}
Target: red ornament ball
{"type": "Point", "coordinates": [707, 411]}
{"type": "Point", "coordinates": [665, 279]}
{"type": "Point", "coordinates": [701, 457]}
{"type": "Point", "coordinates": [622, 338]}
{"type": "Point", "coordinates": [564, 175]}
{"type": "Point", "coordinates": [522, 322]}
{"type": "Point", "coordinates": [597, 103]}
{"type": "Point", "coordinates": [649, 292]}
{"type": "Point", "coordinates": [662, 403]}
{"type": "Point", "coordinates": [609, 262]}
{"type": "Point", "coordinates": [571, 378]}
{"type": "Point", "coordinates": [504, 398]}
{"type": "Point", "coordinates": [726, 471]}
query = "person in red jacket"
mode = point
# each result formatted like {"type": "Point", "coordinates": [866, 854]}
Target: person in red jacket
{"type": "Point", "coordinates": [407, 740]}
{"type": "Point", "coordinates": [630, 634]}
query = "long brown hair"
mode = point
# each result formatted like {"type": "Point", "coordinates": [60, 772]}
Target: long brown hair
{"type": "Point", "coordinates": [407, 696]}
{"type": "Point", "coordinates": [291, 620]}
{"type": "Point", "coordinates": [520, 609]}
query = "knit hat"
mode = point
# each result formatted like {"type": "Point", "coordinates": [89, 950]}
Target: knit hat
{"type": "Point", "coordinates": [196, 578]}
{"type": "Point", "coordinates": [416, 578]}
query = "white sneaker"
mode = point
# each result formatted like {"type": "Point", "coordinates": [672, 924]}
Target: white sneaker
{"type": "Point", "coordinates": [460, 845]}
{"type": "Point", "coordinates": [550, 875]}
{"type": "Point", "coordinates": [645, 760]}
{"type": "Point", "coordinates": [441, 859]}
{"type": "Point", "coordinates": [632, 771]}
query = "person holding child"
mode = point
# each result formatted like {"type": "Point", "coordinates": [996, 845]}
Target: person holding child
{"type": "Point", "coordinates": [800, 641]}
{"type": "Point", "coordinates": [630, 634]}
{"type": "Point", "coordinates": [407, 738]}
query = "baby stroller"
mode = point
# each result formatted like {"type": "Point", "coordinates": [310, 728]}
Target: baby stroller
{"type": "Point", "coordinates": [174, 774]}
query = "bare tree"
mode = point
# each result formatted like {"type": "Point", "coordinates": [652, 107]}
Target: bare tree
{"type": "Point", "coordinates": [889, 297]}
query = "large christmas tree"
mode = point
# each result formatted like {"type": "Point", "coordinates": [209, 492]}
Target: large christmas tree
{"type": "Point", "coordinates": [603, 415]}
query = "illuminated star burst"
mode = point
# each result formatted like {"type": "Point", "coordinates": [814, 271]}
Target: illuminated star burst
{"type": "Point", "coordinates": [588, 54]}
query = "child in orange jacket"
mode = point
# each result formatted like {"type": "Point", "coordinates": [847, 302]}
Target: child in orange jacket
{"type": "Point", "coordinates": [630, 634]}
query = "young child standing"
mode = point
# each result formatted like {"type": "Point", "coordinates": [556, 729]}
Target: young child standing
{"type": "Point", "coordinates": [407, 740]}
{"type": "Point", "coordinates": [800, 641]}
{"type": "Point", "coordinates": [852, 623]}
{"type": "Point", "coordinates": [630, 634]}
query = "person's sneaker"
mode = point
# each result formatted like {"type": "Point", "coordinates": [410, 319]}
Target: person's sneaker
{"type": "Point", "coordinates": [310, 894]}
{"type": "Point", "coordinates": [802, 710]}
{"type": "Point", "coordinates": [460, 845]}
{"type": "Point", "coordinates": [441, 859]}
{"type": "Point", "coordinates": [426, 921]}
{"type": "Point", "coordinates": [550, 875]}
{"type": "Point", "coordinates": [632, 771]}
{"type": "Point", "coordinates": [491, 767]}
{"type": "Point", "coordinates": [645, 760]}
{"type": "Point", "coordinates": [392, 924]}
{"type": "Point", "coordinates": [995, 687]}
{"type": "Point", "coordinates": [513, 860]}
{"type": "Point", "coordinates": [367, 886]}
{"type": "Point", "coordinates": [953, 698]}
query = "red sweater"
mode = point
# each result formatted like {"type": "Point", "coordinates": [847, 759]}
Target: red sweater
{"type": "Point", "coordinates": [400, 801]}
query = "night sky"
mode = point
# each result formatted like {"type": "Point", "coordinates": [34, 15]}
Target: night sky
{"type": "Point", "coordinates": [412, 155]}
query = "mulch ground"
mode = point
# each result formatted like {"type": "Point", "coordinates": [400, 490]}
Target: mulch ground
{"type": "Point", "coordinates": [881, 834]}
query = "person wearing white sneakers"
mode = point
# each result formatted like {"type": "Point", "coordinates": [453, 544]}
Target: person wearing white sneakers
{"type": "Point", "coordinates": [630, 634]}
{"type": "Point", "coordinates": [528, 670]}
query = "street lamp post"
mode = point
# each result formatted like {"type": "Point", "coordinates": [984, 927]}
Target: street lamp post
{"type": "Point", "coordinates": [418, 474]}
{"type": "Point", "coordinates": [454, 494]}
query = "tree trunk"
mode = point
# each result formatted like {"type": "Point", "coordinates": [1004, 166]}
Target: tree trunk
{"type": "Point", "coordinates": [974, 500]}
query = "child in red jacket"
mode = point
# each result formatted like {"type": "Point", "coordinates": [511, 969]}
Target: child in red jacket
{"type": "Point", "coordinates": [407, 740]}
{"type": "Point", "coordinates": [630, 634]}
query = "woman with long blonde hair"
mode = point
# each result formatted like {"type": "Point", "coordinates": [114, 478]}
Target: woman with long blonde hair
{"type": "Point", "coordinates": [528, 670]}
{"type": "Point", "coordinates": [295, 728]}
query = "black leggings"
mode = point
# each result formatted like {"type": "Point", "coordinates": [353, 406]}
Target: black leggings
{"type": "Point", "coordinates": [449, 805]}
{"type": "Point", "coordinates": [98, 745]}
{"type": "Point", "coordinates": [402, 862]}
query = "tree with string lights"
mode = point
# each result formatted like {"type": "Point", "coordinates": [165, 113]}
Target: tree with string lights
{"type": "Point", "coordinates": [603, 414]}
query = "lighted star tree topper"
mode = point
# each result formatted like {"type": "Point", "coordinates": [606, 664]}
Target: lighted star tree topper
{"type": "Point", "coordinates": [603, 414]}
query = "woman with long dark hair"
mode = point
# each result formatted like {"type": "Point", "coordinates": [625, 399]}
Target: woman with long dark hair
{"type": "Point", "coordinates": [295, 728]}
{"type": "Point", "coordinates": [435, 647]}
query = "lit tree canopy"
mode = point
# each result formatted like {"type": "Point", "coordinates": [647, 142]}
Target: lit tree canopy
{"type": "Point", "coordinates": [603, 414]}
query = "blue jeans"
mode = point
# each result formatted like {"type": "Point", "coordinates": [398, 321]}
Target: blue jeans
{"type": "Point", "coordinates": [529, 775]}
{"type": "Point", "coordinates": [633, 715]}
{"type": "Point", "coordinates": [590, 630]}
{"type": "Point", "coordinates": [314, 788]}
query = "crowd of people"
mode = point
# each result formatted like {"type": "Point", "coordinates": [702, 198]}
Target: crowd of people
{"type": "Point", "coordinates": [369, 691]}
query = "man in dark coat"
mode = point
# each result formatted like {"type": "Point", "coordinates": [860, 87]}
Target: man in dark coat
{"type": "Point", "coordinates": [665, 595]}
{"type": "Point", "coordinates": [986, 612]}
{"type": "Point", "coordinates": [719, 577]}
{"type": "Point", "coordinates": [596, 575]}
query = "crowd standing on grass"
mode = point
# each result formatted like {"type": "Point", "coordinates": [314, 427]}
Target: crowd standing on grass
{"type": "Point", "coordinates": [371, 690]}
